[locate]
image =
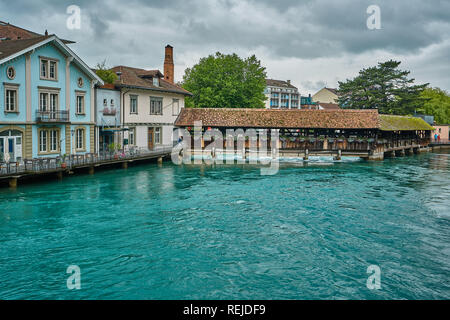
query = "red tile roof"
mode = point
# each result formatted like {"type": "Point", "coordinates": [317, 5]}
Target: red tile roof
{"type": "Point", "coordinates": [140, 79]}
{"type": "Point", "coordinates": [12, 32]}
{"type": "Point", "coordinates": [267, 118]}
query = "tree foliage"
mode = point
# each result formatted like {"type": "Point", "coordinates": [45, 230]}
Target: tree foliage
{"type": "Point", "coordinates": [437, 104]}
{"type": "Point", "coordinates": [384, 87]}
{"type": "Point", "coordinates": [104, 73]}
{"type": "Point", "coordinates": [226, 81]}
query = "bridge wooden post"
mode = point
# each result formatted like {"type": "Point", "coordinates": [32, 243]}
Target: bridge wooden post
{"type": "Point", "coordinates": [59, 175]}
{"type": "Point", "coordinates": [91, 170]}
{"type": "Point", "coordinates": [306, 157]}
{"type": "Point", "coordinates": [125, 165]}
{"type": "Point", "coordinates": [160, 160]}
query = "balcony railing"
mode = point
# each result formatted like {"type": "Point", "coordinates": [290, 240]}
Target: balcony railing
{"type": "Point", "coordinates": [52, 116]}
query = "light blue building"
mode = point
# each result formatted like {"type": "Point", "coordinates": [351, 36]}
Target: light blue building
{"type": "Point", "coordinates": [108, 117]}
{"type": "Point", "coordinates": [47, 100]}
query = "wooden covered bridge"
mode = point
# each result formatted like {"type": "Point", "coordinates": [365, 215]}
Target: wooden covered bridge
{"type": "Point", "coordinates": [303, 133]}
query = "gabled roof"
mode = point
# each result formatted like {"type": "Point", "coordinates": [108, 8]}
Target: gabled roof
{"type": "Point", "coordinates": [279, 83]}
{"type": "Point", "coordinates": [332, 90]}
{"type": "Point", "coordinates": [141, 79]}
{"type": "Point", "coordinates": [14, 48]}
{"type": "Point", "coordinates": [11, 47]}
{"type": "Point", "coordinates": [12, 32]}
{"type": "Point", "coordinates": [270, 118]}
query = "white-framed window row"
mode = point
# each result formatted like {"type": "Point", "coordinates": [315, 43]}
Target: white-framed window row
{"type": "Point", "coordinates": [80, 103]}
{"type": "Point", "coordinates": [48, 68]}
{"type": "Point", "coordinates": [11, 101]}
{"type": "Point", "coordinates": [49, 140]}
{"type": "Point", "coordinates": [156, 106]}
{"type": "Point", "coordinates": [80, 139]}
{"type": "Point", "coordinates": [133, 104]}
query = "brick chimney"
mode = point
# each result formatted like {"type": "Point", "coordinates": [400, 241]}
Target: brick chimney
{"type": "Point", "coordinates": [168, 64]}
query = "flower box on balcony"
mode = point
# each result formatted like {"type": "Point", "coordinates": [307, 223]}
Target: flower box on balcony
{"type": "Point", "coordinates": [109, 112]}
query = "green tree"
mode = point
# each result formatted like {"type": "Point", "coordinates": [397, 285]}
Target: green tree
{"type": "Point", "coordinates": [226, 81]}
{"type": "Point", "coordinates": [384, 87]}
{"type": "Point", "coordinates": [437, 104]}
{"type": "Point", "coordinates": [104, 73]}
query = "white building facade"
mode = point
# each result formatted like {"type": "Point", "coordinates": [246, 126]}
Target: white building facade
{"type": "Point", "coordinates": [281, 95]}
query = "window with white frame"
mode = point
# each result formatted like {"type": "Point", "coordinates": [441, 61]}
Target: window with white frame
{"type": "Point", "coordinates": [132, 136]}
{"type": "Point", "coordinates": [43, 101]}
{"type": "Point", "coordinates": [158, 135]}
{"type": "Point", "coordinates": [49, 69]}
{"type": "Point", "coordinates": [80, 104]}
{"type": "Point", "coordinates": [156, 106]}
{"type": "Point", "coordinates": [43, 136]}
{"type": "Point", "coordinates": [79, 138]}
{"type": "Point", "coordinates": [53, 140]}
{"type": "Point", "coordinates": [48, 140]}
{"type": "Point", "coordinates": [49, 102]}
{"type": "Point", "coordinates": [133, 104]}
{"type": "Point", "coordinates": [175, 107]}
{"type": "Point", "coordinates": [11, 99]}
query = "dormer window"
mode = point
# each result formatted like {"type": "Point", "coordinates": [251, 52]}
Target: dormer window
{"type": "Point", "coordinates": [105, 102]}
{"type": "Point", "coordinates": [112, 102]}
{"type": "Point", "coordinates": [156, 81]}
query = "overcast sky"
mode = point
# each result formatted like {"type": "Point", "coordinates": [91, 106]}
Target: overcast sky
{"type": "Point", "coordinates": [313, 43]}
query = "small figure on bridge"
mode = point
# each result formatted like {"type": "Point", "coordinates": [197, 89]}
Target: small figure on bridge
{"type": "Point", "coordinates": [439, 138]}
{"type": "Point", "coordinates": [435, 137]}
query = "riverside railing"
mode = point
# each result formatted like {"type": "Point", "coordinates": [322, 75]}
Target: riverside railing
{"type": "Point", "coordinates": [42, 165]}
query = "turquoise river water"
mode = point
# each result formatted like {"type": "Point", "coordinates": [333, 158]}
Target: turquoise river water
{"type": "Point", "coordinates": [227, 232]}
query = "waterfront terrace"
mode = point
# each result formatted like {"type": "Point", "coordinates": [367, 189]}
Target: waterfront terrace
{"type": "Point", "coordinates": [302, 133]}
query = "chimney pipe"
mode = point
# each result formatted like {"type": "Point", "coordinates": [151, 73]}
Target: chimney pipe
{"type": "Point", "coordinates": [168, 64]}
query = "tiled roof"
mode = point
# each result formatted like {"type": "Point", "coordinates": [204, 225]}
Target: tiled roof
{"type": "Point", "coordinates": [11, 47]}
{"type": "Point", "coordinates": [279, 83]}
{"type": "Point", "coordinates": [402, 123]}
{"type": "Point", "coordinates": [137, 78]}
{"type": "Point", "coordinates": [267, 118]}
{"type": "Point", "coordinates": [329, 106]}
{"type": "Point", "coordinates": [12, 32]}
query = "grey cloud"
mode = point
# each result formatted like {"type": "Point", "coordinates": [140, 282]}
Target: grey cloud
{"type": "Point", "coordinates": [135, 31]}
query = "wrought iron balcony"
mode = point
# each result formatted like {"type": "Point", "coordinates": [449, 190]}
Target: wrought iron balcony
{"type": "Point", "coordinates": [52, 116]}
